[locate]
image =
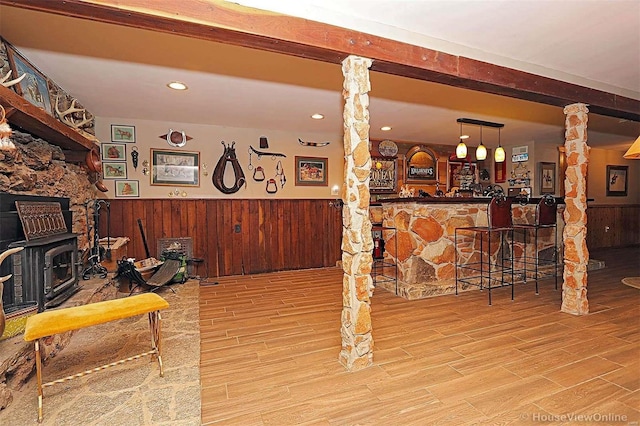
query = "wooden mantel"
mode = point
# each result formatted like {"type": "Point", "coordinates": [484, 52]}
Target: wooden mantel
{"type": "Point", "coordinates": [21, 113]}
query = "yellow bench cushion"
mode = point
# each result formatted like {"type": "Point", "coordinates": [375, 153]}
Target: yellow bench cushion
{"type": "Point", "coordinates": [58, 321]}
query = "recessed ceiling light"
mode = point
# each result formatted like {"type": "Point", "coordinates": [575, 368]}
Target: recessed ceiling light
{"type": "Point", "coordinates": [317, 116]}
{"type": "Point", "coordinates": [464, 136]}
{"type": "Point", "coordinates": [385, 128]}
{"type": "Point", "coordinates": [176, 85]}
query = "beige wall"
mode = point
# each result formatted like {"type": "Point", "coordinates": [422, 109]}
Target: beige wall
{"type": "Point", "coordinates": [206, 140]}
{"type": "Point", "coordinates": [599, 159]}
{"type": "Point", "coordinates": [596, 172]}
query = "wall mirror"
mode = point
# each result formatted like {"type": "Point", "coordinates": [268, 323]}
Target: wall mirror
{"type": "Point", "coordinates": [422, 164]}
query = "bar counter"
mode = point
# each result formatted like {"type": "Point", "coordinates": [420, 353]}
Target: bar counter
{"type": "Point", "coordinates": [419, 238]}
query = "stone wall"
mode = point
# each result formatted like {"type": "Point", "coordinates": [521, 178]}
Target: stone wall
{"type": "Point", "coordinates": [36, 167]}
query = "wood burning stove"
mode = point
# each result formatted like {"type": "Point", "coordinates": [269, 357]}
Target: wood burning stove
{"type": "Point", "coordinates": [46, 271]}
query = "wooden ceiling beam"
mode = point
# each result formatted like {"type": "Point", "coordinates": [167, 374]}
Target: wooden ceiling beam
{"type": "Point", "coordinates": [237, 25]}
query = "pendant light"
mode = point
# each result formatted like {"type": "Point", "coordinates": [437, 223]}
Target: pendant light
{"type": "Point", "coordinates": [499, 155]}
{"type": "Point", "coordinates": [461, 149]}
{"type": "Point", "coordinates": [481, 151]}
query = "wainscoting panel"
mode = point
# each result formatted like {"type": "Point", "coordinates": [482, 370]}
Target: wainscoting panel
{"type": "Point", "coordinates": [234, 236]}
{"type": "Point", "coordinates": [623, 222]}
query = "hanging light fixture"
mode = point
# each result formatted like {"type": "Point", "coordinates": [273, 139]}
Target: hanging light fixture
{"type": "Point", "coordinates": [461, 149]}
{"type": "Point", "coordinates": [500, 155]}
{"type": "Point", "coordinates": [481, 151]}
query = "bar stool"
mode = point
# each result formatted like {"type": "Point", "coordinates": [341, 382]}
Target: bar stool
{"type": "Point", "coordinates": [491, 272]}
{"type": "Point", "coordinates": [545, 218]}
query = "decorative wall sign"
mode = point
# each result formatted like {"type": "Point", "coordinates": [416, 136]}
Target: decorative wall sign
{"type": "Point", "coordinates": [127, 188]}
{"type": "Point", "coordinates": [122, 133]}
{"type": "Point", "coordinates": [547, 173]}
{"type": "Point", "coordinates": [311, 171]}
{"type": "Point", "coordinates": [617, 179]}
{"type": "Point", "coordinates": [113, 152]}
{"type": "Point", "coordinates": [181, 168]}
{"type": "Point", "coordinates": [384, 175]}
{"type": "Point", "coordinates": [422, 164]}
{"type": "Point", "coordinates": [388, 148]}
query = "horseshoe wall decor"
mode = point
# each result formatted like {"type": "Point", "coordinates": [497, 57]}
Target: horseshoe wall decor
{"type": "Point", "coordinates": [229, 156]}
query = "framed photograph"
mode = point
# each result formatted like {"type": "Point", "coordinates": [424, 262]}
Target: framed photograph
{"type": "Point", "coordinates": [617, 180]}
{"type": "Point", "coordinates": [113, 170]}
{"type": "Point", "coordinates": [123, 134]}
{"type": "Point", "coordinates": [175, 168]}
{"type": "Point", "coordinates": [127, 188]}
{"type": "Point", "coordinates": [33, 87]}
{"type": "Point", "coordinates": [114, 152]}
{"type": "Point", "coordinates": [384, 175]}
{"type": "Point", "coordinates": [311, 171]}
{"type": "Point", "coordinates": [547, 172]}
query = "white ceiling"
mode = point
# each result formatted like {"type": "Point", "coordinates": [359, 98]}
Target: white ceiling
{"type": "Point", "coordinates": [122, 72]}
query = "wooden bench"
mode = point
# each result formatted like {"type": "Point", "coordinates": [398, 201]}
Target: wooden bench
{"type": "Point", "coordinates": [59, 321]}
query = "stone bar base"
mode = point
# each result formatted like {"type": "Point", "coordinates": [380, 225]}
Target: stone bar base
{"type": "Point", "coordinates": [423, 248]}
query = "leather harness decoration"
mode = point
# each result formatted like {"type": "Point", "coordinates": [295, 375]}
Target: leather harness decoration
{"type": "Point", "coordinates": [229, 155]}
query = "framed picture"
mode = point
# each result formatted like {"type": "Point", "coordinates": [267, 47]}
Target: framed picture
{"type": "Point", "coordinates": [175, 168]}
{"type": "Point", "coordinates": [617, 180]}
{"type": "Point", "coordinates": [384, 175]}
{"type": "Point", "coordinates": [113, 152]}
{"type": "Point", "coordinates": [33, 87]}
{"type": "Point", "coordinates": [113, 170]}
{"type": "Point", "coordinates": [547, 172]}
{"type": "Point", "coordinates": [311, 171]}
{"type": "Point", "coordinates": [120, 133]}
{"type": "Point", "coordinates": [127, 188]}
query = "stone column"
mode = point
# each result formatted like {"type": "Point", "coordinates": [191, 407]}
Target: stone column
{"type": "Point", "coordinates": [574, 236]}
{"type": "Point", "coordinates": [357, 243]}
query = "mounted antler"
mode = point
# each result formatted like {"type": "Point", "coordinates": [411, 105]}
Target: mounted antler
{"type": "Point", "coordinates": [67, 117]}
{"type": "Point", "coordinates": [5, 83]}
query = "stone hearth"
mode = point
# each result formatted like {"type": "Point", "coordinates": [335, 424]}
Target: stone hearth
{"type": "Point", "coordinates": [16, 356]}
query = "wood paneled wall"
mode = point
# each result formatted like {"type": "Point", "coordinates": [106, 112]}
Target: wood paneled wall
{"type": "Point", "coordinates": [623, 222]}
{"type": "Point", "coordinates": [273, 235]}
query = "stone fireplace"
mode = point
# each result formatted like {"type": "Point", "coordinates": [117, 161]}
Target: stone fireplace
{"type": "Point", "coordinates": [37, 170]}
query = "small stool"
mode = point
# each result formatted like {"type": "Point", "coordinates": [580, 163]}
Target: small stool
{"type": "Point", "coordinates": [545, 218]}
{"type": "Point", "coordinates": [499, 222]}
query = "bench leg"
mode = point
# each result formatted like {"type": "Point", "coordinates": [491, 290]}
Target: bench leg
{"type": "Point", "coordinates": [155, 326]}
{"type": "Point", "coordinates": [39, 378]}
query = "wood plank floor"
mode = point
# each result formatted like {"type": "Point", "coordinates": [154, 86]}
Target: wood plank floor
{"type": "Point", "coordinates": [270, 344]}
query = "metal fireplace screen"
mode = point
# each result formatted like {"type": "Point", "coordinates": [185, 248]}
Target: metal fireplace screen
{"type": "Point", "coordinates": [40, 219]}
